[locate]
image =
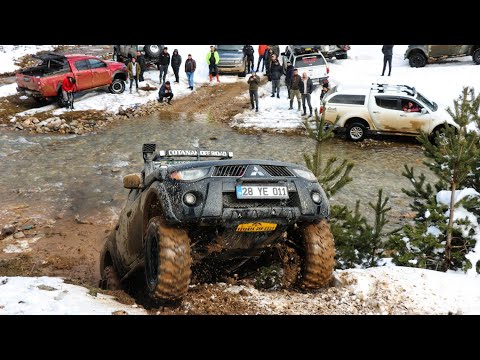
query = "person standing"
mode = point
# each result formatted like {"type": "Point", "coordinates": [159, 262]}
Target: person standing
{"type": "Point", "coordinates": [134, 71]}
{"type": "Point", "coordinates": [190, 66]}
{"type": "Point", "coordinates": [253, 82]}
{"type": "Point", "coordinates": [163, 63]}
{"type": "Point", "coordinates": [275, 49]}
{"type": "Point", "coordinates": [176, 62]}
{"type": "Point", "coordinates": [165, 92]}
{"type": "Point", "coordinates": [248, 53]}
{"type": "Point", "coordinates": [68, 87]}
{"type": "Point", "coordinates": [212, 60]}
{"type": "Point", "coordinates": [261, 54]}
{"type": "Point", "coordinates": [387, 51]}
{"type": "Point", "coordinates": [276, 72]}
{"type": "Point", "coordinates": [143, 65]}
{"type": "Point", "coordinates": [295, 88]}
{"type": "Point", "coordinates": [268, 60]}
{"type": "Point", "coordinates": [306, 87]}
{"type": "Point", "coordinates": [288, 77]}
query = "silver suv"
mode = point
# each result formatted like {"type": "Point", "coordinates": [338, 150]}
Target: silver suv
{"type": "Point", "coordinates": [309, 59]}
{"type": "Point", "coordinates": [123, 52]}
{"type": "Point", "coordinates": [420, 55]}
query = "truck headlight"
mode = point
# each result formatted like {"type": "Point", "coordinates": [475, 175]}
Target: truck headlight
{"type": "Point", "coordinates": [305, 174]}
{"type": "Point", "coordinates": [191, 174]}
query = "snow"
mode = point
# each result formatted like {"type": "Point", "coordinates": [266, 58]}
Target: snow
{"type": "Point", "coordinates": [428, 291]}
{"type": "Point", "coordinates": [433, 230]}
{"type": "Point", "coordinates": [49, 295]}
{"type": "Point", "coordinates": [10, 53]}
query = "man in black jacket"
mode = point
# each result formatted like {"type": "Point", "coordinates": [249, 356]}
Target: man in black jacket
{"type": "Point", "coordinates": [248, 53]}
{"type": "Point", "coordinates": [253, 83]}
{"type": "Point", "coordinates": [288, 77]}
{"type": "Point", "coordinates": [143, 65]}
{"type": "Point", "coordinates": [176, 62]}
{"type": "Point", "coordinates": [276, 72]}
{"type": "Point", "coordinates": [306, 87]}
{"type": "Point", "coordinates": [163, 63]}
{"type": "Point", "coordinates": [387, 51]}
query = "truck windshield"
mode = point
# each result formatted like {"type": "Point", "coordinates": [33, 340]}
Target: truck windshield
{"type": "Point", "coordinates": [230, 47]}
{"type": "Point", "coordinates": [312, 60]}
{"type": "Point", "coordinates": [431, 105]}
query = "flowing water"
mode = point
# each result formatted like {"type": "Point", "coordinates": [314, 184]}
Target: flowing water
{"type": "Point", "coordinates": [83, 174]}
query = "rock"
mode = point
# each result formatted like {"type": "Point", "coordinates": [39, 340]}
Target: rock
{"type": "Point", "coordinates": [35, 120]}
{"type": "Point", "coordinates": [7, 230]}
{"type": "Point", "coordinates": [115, 170]}
{"type": "Point", "coordinates": [27, 122]}
{"type": "Point", "coordinates": [18, 235]}
{"type": "Point", "coordinates": [120, 312]}
{"type": "Point", "coordinates": [46, 287]}
{"type": "Point", "coordinates": [18, 127]}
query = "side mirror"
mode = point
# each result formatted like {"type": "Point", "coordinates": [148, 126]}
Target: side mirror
{"type": "Point", "coordinates": [133, 181]}
{"type": "Point", "coordinates": [283, 54]}
{"type": "Point", "coordinates": [423, 111]}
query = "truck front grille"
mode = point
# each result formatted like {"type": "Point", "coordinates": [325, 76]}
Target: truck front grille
{"type": "Point", "coordinates": [229, 170]}
{"type": "Point", "coordinates": [277, 170]}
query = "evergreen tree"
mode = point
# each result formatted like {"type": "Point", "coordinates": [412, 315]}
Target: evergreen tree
{"type": "Point", "coordinates": [357, 243]}
{"type": "Point", "coordinates": [437, 240]}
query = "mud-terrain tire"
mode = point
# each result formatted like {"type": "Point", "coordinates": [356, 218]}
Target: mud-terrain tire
{"type": "Point", "coordinates": [476, 56]}
{"type": "Point", "coordinates": [167, 261]}
{"type": "Point", "coordinates": [417, 59]}
{"type": "Point", "coordinates": [117, 86]}
{"type": "Point", "coordinates": [356, 131]}
{"type": "Point", "coordinates": [110, 279]}
{"type": "Point", "coordinates": [319, 258]}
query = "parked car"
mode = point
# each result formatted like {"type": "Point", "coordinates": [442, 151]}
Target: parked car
{"type": "Point", "coordinates": [337, 51]}
{"type": "Point", "coordinates": [380, 109]}
{"type": "Point", "coordinates": [191, 206]}
{"type": "Point", "coordinates": [44, 82]}
{"type": "Point", "coordinates": [232, 60]}
{"type": "Point", "coordinates": [151, 53]}
{"type": "Point", "coordinates": [420, 55]}
{"type": "Point", "coordinates": [309, 59]}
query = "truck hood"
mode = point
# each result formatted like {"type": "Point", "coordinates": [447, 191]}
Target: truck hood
{"type": "Point", "coordinates": [442, 115]}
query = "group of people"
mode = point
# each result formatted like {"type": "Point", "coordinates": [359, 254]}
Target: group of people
{"type": "Point", "coordinates": [299, 87]}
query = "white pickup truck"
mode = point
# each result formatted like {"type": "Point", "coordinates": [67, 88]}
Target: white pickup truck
{"type": "Point", "coordinates": [384, 109]}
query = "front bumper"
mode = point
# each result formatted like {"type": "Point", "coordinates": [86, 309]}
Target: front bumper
{"type": "Point", "coordinates": [218, 205]}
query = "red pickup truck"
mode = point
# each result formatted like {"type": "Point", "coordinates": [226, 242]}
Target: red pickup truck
{"type": "Point", "coordinates": [44, 82]}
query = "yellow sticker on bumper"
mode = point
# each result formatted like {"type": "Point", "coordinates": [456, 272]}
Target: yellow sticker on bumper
{"type": "Point", "coordinates": [258, 226]}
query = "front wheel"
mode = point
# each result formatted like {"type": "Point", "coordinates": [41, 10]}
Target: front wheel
{"type": "Point", "coordinates": [417, 60]}
{"type": "Point", "coordinates": [167, 260]}
{"type": "Point", "coordinates": [117, 86]}
{"type": "Point", "coordinates": [319, 258]}
{"type": "Point", "coordinates": [476, 56]}
{"type": "Point", "coordinates": [356, 131]}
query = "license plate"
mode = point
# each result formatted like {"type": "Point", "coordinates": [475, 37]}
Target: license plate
{"type": "Point", "coordinates": [254, 227]}
{"type": "Point", "coordinates": [261, 192]}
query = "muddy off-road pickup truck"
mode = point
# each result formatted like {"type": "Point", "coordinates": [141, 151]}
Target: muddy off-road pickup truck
{"type": "Point", "coordinates": [44, 82]}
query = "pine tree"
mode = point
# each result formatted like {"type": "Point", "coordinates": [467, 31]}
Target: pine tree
{"type": "Point", "coordinates": [357, 242]}
{"type": "Point", "coordinates": [438, 241]}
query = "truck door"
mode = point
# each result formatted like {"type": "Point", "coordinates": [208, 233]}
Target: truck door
{"type": "Point", "coordinates": [388, 115]}
{"type": "Point", "coordinates": [83, 75]}
{"type": "Point", "coordinates": [445, 50]}
{"type": "Point", "coordinates": [100, 73]}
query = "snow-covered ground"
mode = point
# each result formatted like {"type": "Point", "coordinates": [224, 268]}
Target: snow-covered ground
{"type": "Point", "coordinates": [47, 295]}
{"type": "Point", "coordinates": [10, 53]}
{"type": "Point", "coordinates": [380, 290]}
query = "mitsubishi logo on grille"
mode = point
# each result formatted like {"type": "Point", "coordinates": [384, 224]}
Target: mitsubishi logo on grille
{"type": "Point", "coordinates": [256, 172]}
